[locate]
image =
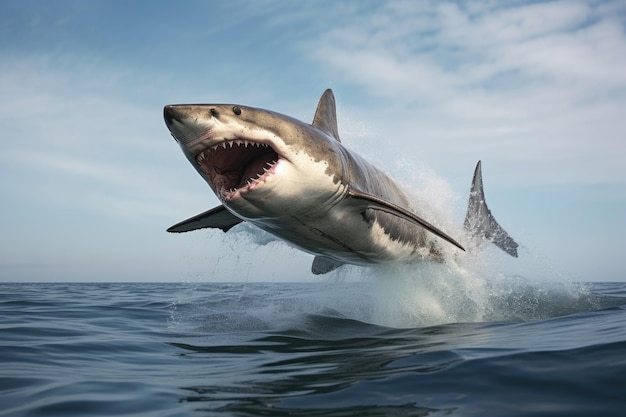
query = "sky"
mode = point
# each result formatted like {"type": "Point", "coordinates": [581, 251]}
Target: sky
{"type": "Point", "coordinates": [90, 177]}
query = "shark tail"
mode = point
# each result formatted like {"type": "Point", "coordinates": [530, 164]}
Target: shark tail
{"type": "Point", "coordinates": [479, 221]}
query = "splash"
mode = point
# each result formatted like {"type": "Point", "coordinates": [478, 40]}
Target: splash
{"type": "Point", "coordinates": [479, 286]}
{"type": "Point", "coordinates": [430, 294]}
{"type": "Point", "coordinates": [353, 299]}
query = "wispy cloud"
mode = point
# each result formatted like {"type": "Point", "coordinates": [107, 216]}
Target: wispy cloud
{"type": "Point", "coordinates": [544, 80]}
{"type": "Point", "coordinates": [73, 139]}
{"type": "Point", "coordinates": [448, 46]}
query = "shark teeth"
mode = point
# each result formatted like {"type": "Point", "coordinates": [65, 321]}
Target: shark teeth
{"type": "Point", "coordinates": [237, 165]}
{"type": "Point", "coordinates": [228, 144]}
{"type": "Point", "coordinates": [239, 142]}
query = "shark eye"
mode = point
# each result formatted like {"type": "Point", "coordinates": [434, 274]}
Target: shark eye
{"type": "Point", "coordinates": [214, 113]}
{"type": "Point", "coordinates": [237, 110]}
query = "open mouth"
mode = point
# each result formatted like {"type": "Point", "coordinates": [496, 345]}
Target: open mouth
{"type": "Point", "coordinates": [236, 166]}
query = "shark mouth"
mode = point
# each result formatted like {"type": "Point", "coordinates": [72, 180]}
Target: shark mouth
{"type": "Point", "coordinates": [237, 166]}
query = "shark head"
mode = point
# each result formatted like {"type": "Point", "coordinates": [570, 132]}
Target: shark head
{"type": "Point", "coordinates": [261, 163]}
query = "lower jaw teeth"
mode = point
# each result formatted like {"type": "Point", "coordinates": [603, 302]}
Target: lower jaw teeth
{"type": "Point", "coordinates": [249, 182]}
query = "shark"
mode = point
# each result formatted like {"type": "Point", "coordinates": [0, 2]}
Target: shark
{"type": "Point", "coordinates": [298, 182]}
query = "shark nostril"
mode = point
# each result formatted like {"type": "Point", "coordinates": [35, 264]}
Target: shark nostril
{"type": "Point", "coordinates": [214, 113]}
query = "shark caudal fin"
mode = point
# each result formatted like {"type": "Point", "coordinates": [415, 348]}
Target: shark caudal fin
{"type": "Point", "coordinates": [479, 221]}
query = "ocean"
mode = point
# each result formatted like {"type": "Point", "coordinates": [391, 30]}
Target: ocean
{"type": "Point", "coordinates": [378, 346]}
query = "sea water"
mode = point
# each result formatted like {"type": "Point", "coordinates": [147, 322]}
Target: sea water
{"type": "Point", "coordinates": [394, 342]}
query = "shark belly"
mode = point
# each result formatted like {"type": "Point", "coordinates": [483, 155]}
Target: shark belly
{"type": "Point", "coordinates": [346, 234]}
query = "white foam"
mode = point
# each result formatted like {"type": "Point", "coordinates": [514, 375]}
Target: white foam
{"type": "Point", "coordinates": [472, 287]}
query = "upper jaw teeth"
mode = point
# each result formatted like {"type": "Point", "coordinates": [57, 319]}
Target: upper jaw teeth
{"type": "Point", "coordinates": [226, 144]}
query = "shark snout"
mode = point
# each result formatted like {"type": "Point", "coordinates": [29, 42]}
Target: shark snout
{"type": "Point", "coordinates": [169, 114]}
{"type": "Point", "coordinates": [186, 122]}
{"type": "Point", "coordinates": [175, 115]}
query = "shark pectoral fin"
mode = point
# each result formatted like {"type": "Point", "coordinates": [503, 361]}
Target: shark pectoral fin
{"type": "Point", "coordinates": [376, 203]}
{"type": "Point", "coordinates": [480, 222]}
{"type": "Point", "coordinates": [217, 217]}
{"type": "Point", "coordinates": [326, 115]}
{"type": "Point", "coordinates": [324, 264]}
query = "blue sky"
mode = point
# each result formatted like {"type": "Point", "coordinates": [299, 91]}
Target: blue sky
{"type": "Point", "coordinates": [90, 177]}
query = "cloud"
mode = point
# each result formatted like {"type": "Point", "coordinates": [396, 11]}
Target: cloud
{"type": "Point", "coordinates": [407, 56]}
{"type": "Point", "coordinates": [91, 176]}
{"type": "Point", "coordinates": [540, 84]}
{"type": "Point", "coordinates": [73, 138]}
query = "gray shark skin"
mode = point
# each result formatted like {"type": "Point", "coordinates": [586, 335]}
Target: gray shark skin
{"type": "Point", "coordinates": [298, 182]}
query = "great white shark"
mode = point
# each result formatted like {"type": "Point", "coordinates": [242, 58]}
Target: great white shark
{"type": "Point", "coordinates": [298, 182]}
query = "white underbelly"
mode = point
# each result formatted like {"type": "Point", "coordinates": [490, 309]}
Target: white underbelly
{"type": "Point", "coordinates": [344, 234]}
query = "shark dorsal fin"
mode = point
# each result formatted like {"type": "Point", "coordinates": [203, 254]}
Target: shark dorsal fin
{"type": "Point", "coordinates": [326, 115]}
